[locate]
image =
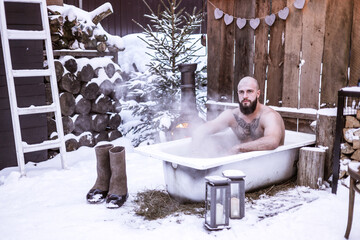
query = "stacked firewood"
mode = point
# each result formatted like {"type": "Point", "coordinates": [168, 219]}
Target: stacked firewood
{"type": "Point", "coordinates": [351, 132]}
{"type": "Point", "coordinates": [69, 31]}
{"type": "Point", "coordinates": [89, 90]}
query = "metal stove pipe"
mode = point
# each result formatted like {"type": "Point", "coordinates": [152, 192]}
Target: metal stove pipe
{"type": "Point", "coordinates": [188, 97]}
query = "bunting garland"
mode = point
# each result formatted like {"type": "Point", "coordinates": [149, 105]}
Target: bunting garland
{"type": "Point", "coordinates": [254, 22]}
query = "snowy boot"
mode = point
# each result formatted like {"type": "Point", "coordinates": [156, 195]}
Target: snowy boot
{"type": "Point", "coordinates": [99, 191]}
{"type": "Point", "coordinates": [118, 192]}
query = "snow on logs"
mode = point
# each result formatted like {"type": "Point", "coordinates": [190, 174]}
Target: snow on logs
{"type": "Point", "coordinates": [89, 101]}
{"type": "Point", "coordinates": [74, 28]}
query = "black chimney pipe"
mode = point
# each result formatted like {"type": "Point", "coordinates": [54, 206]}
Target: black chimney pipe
{"type": "Point", "coordinates": [188, 97]}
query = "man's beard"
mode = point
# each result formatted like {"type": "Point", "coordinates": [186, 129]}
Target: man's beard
{"type": "Point", "coordinates": [246, 110]}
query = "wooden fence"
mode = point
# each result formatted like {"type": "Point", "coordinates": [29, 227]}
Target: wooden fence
{"type": "Point", "coordinates": [322, 35]}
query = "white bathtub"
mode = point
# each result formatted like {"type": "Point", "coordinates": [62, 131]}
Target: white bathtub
{"type": "Point", "coordinates": [184, 174]}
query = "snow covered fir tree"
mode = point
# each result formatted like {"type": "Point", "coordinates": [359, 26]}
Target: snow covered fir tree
{"type": "Point", "coordinates": [170, 41]}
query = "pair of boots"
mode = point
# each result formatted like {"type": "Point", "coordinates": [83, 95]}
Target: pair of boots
{"type": "Point", "coordinates": [111, 182]}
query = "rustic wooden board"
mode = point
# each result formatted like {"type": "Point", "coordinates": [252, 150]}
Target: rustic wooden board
{"type": "Point", "coordinates": [244, 43]}
{"type": "Point", "coordinates": [293, 36]}
{"type": "Point", "coordinates": [261, 45]}
{"type": "Point", "coordinates": [220, 52]}
{"type": "Point", "coordinates": [355, 46]}
{"type": "Point", "coordinates": [325, 136]}
{"type": "Point", "coordinates": [314, 14]}
{"type": "Point", "coordinates": [276, 57]}
{"type": "Point", "coordinates": [302, 125]}
{"type": "Point", "coordinates": [336, 50]}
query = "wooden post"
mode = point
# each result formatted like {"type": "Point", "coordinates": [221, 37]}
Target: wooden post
{"type": "Point", "coordinates": [325, 136]}
{"type": "Point", "coordinates": [311, 167]}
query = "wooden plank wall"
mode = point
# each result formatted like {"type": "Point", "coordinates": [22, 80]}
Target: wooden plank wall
{"type": "Point", "coordinates": [319, 35]}
{"type": "Point", "coordinates": [120, 22]}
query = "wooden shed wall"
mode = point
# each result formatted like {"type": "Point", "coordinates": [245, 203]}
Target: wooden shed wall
{"type": "Point", "coordinates": [120, 22]}
{"type": "Point", "coordinates": [30, 91]}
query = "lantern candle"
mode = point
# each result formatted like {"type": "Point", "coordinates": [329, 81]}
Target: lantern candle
{"type": "Point", "coordinates": [235, 207]}
{"type": "Point", "coordinates": [219, 214]}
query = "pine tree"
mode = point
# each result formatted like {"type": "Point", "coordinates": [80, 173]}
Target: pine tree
{"type": "Point", "coordinates": [169, 37]}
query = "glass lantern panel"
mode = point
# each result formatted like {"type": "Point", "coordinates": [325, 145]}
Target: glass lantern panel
{"type": "Point", "coordinates": [235, 190]}
{"type": "Point", "coordinates": [235, 200]}
{"type": "Point", "coordinates": [208, 204]}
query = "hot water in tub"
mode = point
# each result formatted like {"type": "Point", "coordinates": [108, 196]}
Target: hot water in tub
{"type": "Point", "coordinates": [184, 172]}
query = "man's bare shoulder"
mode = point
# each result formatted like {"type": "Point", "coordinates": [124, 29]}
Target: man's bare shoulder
{"type": "Point", "coordinates": [268, 111]}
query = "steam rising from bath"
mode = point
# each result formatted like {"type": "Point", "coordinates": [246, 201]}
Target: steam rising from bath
{"type": "Point", "coordinates": [217, 145]}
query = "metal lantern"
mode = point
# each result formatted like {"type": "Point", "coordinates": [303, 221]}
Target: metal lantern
{"type": "Point", "coordinates": [217, 195]}
{"type": "Point", "coordinates": [237, 193]}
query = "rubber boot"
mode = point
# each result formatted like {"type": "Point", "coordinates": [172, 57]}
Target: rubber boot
{"type": "Point", "coordinates": [99, 191]}
{"type": "Point", "coordinates": [118, 191]}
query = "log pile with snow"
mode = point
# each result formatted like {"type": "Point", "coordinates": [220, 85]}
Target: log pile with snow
{"type": "Point", "coordinates": [350, 149]}
{"type": "Point", "coordinates": [74, 28]}
{"type": "Point", "coordinates": [89, 100]}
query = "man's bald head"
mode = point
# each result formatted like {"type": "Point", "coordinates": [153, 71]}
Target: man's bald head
{"type": "Point", "coordinates": [246, 81]}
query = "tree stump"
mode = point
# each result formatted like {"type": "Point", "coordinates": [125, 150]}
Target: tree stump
{"type": "Point", "coordinates": [311, 167]}
{"type": "Point", "coordinates": [325, 136]}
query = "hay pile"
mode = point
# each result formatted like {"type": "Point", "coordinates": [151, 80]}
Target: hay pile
{"type": "Point", "coordinates": [155, 204]}
{"type": "Point", "coordinates": [272, 190]}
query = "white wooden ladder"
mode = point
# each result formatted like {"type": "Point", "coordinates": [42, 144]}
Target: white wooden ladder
{"type": "Point", "coordinates": [44, 34]}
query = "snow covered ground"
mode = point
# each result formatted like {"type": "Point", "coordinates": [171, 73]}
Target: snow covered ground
{"type": "Point", "coordinates": [49, 203]}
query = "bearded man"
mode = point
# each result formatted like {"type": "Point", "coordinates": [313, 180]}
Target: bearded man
{"type": "Point", "coordinates": [258, 127]}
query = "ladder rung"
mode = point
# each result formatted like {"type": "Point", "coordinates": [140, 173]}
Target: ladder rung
{"type": "Point", "coordinates": [26, 35]}
{"type": "Point", "coordinates": [24, 1]}
{"type": "Point", "coordinates": [49, 144]}
{"type": "Point", "coordinates": [35, 110]}
{"type": "Point", "coordinates": [31, 72]}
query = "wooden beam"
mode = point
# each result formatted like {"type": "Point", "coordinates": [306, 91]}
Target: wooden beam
{"type": "Point", "coordinates": [244, 43]}
{"type": "Point", "coordinates": [293, 35]}
{"type": "Point", "coordinates": [355, 45]}
{"type": "Point", "coordinates": [275, 75]}
{"type": "Point", "coordinates": [336, 50]}
{"type": "Point", "coordinates": [261, 46]}
{"type": "Point", "coordinates": [220, 51]}
{"type": "Point", "coordinates": [314, 14]}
